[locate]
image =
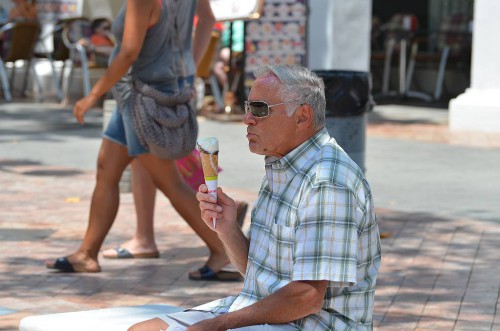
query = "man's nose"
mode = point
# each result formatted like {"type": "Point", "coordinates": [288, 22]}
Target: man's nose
{"type": "Point", "coordinates": [249, 119]}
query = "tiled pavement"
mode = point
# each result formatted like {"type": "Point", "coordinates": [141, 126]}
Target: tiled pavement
{"type": "Point", "coordinates": [437, 273]}
{"type": "Point", "coordinates": [425, 125]}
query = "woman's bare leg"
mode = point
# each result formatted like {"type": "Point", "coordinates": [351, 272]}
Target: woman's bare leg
{"type": "Point", "coordinates": [112, 160]}
{"type": "Point", "coordinates": [144, 192]}
{"type": "Point", "coordinates": [183, 199]}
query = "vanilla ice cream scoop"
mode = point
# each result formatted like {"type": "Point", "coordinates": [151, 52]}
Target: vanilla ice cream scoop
{"type": "Point", "coordinates": [209, 145]}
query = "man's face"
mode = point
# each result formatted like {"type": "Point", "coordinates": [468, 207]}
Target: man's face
{"type": "Point", "coordinates": [271, 135]}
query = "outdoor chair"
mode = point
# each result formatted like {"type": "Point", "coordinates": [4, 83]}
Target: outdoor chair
{"type": "Point", "coordinates": [19, 42]}
{"type": "Point", "coordinates": [395, 37]}
{"type": "Point", "coordinates": [73, 31]}
{"type": "Point", "coordinates": [451, 45]}
{"type": "Point", "coordinates": [51, 47]}
{"type": "Point", "coordinates": [65, 46]}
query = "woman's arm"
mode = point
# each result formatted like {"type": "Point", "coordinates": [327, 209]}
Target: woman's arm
{"type": "Point", "coordinates": [139, 15]}
{"type": "Point", "coordinates": [203, 30]}
{"type": "Point", "coordinates": [137, 20]}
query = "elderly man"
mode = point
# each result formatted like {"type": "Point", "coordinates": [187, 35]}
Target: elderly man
{"type": "Point", "coordinates": [313, 249]}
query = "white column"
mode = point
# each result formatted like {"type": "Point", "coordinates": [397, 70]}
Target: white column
{"type": "Point", "coordinates": [339, 35]}
{"type": "Point", "coordinates": [479, 107]}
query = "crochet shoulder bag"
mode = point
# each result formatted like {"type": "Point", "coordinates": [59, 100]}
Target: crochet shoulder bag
{"type": "Point", "coordinates": [165, 124]}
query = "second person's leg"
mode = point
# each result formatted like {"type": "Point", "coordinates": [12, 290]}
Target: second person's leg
{"type": "Point", "coordinates": [142, 244]}
{"type": "Point", "coordinates": [167, 178]}
{"type": "Point", "coordinates": [112, 160]}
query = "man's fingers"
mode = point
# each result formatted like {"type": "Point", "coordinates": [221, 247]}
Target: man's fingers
{"type": "Point", "coordinates": [210, 206]}
{"type": "Point", "coordinates": [209, 215]}
{"type": "Point", "coordinates": [203, 188]}
{"type": "Point", "coordinates": [201, 197]}
{"type": "Point", "coordinates": [224, 198]}
{"type": "Point", "coordinates": [209, 211]}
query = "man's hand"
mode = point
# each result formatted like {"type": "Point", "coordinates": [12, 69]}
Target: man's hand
{"type": "Point", "coordinates": [224, 209]}
{"type": "Point", "coordinates": [82, 107]}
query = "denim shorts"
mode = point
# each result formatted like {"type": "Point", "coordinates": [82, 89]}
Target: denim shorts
{"type": "Point", "coordinates": [120, 128]}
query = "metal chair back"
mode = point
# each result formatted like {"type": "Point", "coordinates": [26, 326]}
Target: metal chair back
{"type": "Point", "coordinates": [19, 42]}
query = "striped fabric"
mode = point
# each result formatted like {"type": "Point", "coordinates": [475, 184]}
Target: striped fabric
{"type": "Point", "coordinates": [314, 220]}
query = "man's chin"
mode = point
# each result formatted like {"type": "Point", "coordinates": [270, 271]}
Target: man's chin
{"type": "Point", "coordinates": [254, 148]}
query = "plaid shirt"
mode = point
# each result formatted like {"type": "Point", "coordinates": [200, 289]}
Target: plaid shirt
{"type": "Point", "coordinates": [314, 220]}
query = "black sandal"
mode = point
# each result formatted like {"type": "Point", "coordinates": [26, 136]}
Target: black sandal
{"type": "Point", "coordinates": [206, 273]}
{"type": "Point", "coordinates": [62, 264]}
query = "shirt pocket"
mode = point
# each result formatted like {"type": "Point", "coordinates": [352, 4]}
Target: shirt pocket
{"type": "Point", "coordinates": [281, 246]}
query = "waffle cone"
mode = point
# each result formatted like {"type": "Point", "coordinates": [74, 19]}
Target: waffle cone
{"type": "Point", "coordinates": [210, 164]}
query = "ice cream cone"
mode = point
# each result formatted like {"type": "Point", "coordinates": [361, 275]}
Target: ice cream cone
{"type": "Point", "coordinates": [209, 163]}
{"type": "Point", "coordinates": [209, 156]}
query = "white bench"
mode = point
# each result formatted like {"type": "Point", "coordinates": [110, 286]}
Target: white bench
{"type": "Point", "coordinates": [110, 319]}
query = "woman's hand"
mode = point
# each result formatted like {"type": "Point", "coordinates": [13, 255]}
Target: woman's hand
{"type": "Point", "coordinates": [82, 107]}
{"type": "Point", "coordinates": [224, 209]}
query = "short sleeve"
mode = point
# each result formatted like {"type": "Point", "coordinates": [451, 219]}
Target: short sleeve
{"type": "Point", "coordinates": [326, 238]}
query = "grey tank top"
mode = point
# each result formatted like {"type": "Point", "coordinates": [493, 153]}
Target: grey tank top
{"type": "Point", "coordinates": [159, 62]}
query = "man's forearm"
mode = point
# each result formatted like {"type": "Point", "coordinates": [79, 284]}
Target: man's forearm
{"type": "Point", "coordinates": [292, 302]}
{"type": "Point", "coordinates": [237, 247]}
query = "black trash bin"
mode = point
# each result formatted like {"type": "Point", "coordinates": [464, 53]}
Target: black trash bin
{"type": "Point", "coordinates": [348, 99]}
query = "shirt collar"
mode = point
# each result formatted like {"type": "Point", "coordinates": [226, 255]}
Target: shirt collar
{"type": "Point", "coordinates": [297, 158]}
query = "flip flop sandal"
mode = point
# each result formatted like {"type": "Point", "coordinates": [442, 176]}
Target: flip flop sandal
{"type": "Point", "coordinates": [206, 273]}
{"type": "Point", "coordinates": [123, 253]}
{"type": "Point", "coordinates": [62, 264]}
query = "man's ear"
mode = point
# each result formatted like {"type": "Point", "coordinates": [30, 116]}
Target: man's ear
{"type": "Point", "coordinates": [304, 116]}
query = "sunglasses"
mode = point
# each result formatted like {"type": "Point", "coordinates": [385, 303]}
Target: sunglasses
{"type": "Point", "coordinates": [260, 108]}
